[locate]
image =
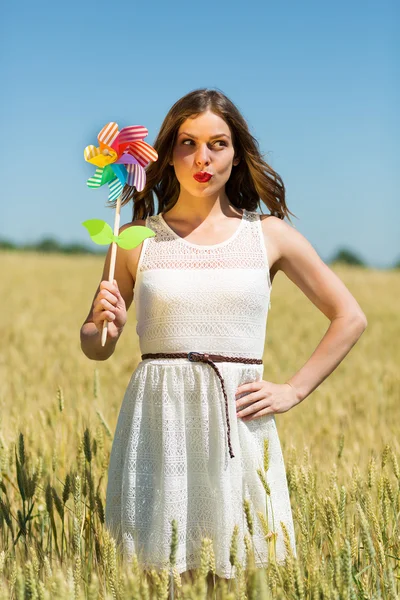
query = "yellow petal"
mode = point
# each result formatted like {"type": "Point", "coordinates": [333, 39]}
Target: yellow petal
{"type": "Point", "coordinates": [96, 156]}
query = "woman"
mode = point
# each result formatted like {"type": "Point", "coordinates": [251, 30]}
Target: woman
{"type": "Point", "coordinates": [202, 292]}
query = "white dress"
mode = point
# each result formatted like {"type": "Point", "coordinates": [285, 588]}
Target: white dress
{"type": "Point", "coordinates": [170, 458]}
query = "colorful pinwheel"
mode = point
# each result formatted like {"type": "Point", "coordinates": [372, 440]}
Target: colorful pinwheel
{"type": "Point", "coordinates": [120, 160]}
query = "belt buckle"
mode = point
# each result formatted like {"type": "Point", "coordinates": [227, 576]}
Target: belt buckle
{"type": "Point", "coordinates": [190, 355]}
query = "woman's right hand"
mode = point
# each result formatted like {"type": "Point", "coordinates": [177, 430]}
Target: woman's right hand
{"type": "Point", "coordinates": [109, 305]}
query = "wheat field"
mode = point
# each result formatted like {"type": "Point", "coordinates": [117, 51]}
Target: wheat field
{"type": "Point", "coordinates": [58, 412]}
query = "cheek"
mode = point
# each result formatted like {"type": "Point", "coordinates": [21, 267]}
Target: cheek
{"type": "Point", "coordinates": [230, 158]}
{"type": "Point", "coordinates": [225, 162]}
{"type": "Point", "coordinates": [181, 158]}
{"type": "Point", "coordinates": [182, 152]}
{"type": "Point", "coordinates": [225, 169]}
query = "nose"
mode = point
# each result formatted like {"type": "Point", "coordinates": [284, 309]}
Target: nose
{"type": "Point", "coordinates": [202, 155]}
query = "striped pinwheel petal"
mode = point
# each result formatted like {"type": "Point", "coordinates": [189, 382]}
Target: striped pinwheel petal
{"type": "Point", "coordinates": [108, 134]}
{"type": "Point", "coordinates": [136, 176]}
{"type": "Point", "coordinates": [127, 135]}
{"type": "Point", "coordinates": [144, 153]}
{"type": "Point", "coordinates": [126, 159]}
{"type": "Point", "coordinates": [100, 177]}
{"type": "Point", "coordinates": [121, 172]}
{"type": "Point", "coordinates": [115, 188]}
{"type": "Point", "coordinates": [95, 180]}
{"type": "Point", "coordinates": [99, 157]}
{"type": "Point", "coordinates": [90, 152]}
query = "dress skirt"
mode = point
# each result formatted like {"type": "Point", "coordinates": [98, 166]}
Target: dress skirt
{"type": "Point", "coordinates": [170, 460]}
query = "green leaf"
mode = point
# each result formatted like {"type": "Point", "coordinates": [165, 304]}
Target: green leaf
{"type": "Point", "coordinates": [100, 231]}
{"type": "Point", "coordinates": [133, 236]}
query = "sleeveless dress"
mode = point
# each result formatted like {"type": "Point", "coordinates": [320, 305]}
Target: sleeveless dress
{"type": "Point", "coordinates": [169, 457]}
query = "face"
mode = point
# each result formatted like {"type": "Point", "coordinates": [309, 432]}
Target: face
{"type": "Point", "coordinates": [203, 143]}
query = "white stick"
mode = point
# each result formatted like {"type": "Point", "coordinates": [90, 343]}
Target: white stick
{"type": "Point", "coordinates": [112, 262]}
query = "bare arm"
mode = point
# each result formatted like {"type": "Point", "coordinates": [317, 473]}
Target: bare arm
{"type": "Point", "coordinates": [111, 302]}
{"type": "Point", "coordinates": [300, 262]}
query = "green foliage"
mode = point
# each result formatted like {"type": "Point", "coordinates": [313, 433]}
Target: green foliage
{"type": "Point", "coordinates": [397, 264]}
{"type": "Point", "coordinates": [347, 257]}
{"type": "Point", "coordinates": [7, 245]}
{"type": "Point", "coordinates": [49, 245]}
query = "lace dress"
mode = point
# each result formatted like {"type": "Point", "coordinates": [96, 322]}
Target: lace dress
{"type": "Point", "coordinates": [169, 458]}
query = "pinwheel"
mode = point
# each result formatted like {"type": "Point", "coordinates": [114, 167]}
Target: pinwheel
{"type": "Point", "coordinates": [120, 160]}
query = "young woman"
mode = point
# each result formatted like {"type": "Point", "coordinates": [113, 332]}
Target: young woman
{"type": "Point", "coordinates": [190, 432]}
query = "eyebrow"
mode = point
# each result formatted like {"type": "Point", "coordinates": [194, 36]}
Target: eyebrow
{"type": "Point", "coordinates": [211, 138]}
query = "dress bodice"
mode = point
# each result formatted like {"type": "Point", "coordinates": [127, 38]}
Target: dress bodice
{"type": "Point", "coordinates": [203, 298]}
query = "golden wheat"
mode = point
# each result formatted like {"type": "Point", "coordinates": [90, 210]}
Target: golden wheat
{"type": "Point", "coordinates": [58, 415]}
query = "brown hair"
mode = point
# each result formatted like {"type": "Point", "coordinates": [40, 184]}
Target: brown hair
{"type": "Point", "coordinates": [250, 182]}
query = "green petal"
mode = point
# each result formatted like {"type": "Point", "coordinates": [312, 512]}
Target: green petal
{"type": "Point", "coordinates": [108, 174]}
{"type": "Point", "coordinates": [100, 231]}
{"type": "Point", "coordinates": [102, 175]}
{"type": "Point", "coordinates": [133, 236]}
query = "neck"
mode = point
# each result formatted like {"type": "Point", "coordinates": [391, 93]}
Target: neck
{"type": "Point", "coordinates": [195, 209]}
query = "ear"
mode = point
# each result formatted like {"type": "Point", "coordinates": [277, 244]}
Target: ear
{"type": "Point", "coordinates": [236, 161]}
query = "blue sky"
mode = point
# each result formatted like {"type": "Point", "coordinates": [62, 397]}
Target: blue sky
{"type": "Point", "coordinates": [317, 82]}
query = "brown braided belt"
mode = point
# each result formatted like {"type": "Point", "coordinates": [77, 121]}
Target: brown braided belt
{"type": "Point", "coordinates": [210, 359]}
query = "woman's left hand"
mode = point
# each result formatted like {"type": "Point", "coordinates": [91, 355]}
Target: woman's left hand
{"type": "Point", "coordinates": [264, 398]}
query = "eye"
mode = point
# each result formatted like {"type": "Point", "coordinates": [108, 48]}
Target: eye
{"type": "Point", "coordinates": [216, 142]}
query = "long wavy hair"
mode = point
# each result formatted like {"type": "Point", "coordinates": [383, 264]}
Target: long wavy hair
{"type": "Point", "coordinates": [251, 182]}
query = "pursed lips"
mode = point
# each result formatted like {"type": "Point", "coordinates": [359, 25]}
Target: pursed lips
{"type": "Point", "coordinates": [202, 176]}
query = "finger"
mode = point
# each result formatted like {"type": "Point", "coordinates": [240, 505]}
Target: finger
{"type": "Point", "coordinates": [112, 298]}
{"type": "Point", "coordinates": [254, 407]}
{"type": "Point", "coordinates": [107, 305]}
{"type": "Point", "coordinates": [260, 413]}
{"type": "Point", "coordinates": [117, 292]}
{"type": "Point", "coordinates": [107, 315]}
{"type": "Point", "coordinates": [249, 387]}
{"type": "Point", "coordinates": [99, 308]}
{"type": "Point", "coordinates": [106, 285]}
{"type": "Point", "coordinates": [250, 399]}
{"type": "Point", "coordinates": [111, 287]}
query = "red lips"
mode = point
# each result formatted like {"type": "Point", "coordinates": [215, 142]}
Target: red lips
{"type": "Point", "coordinates": [202, 176]}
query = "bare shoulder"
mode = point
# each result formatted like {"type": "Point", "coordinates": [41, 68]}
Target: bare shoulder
{"type": "Point", "coordinates": [285, 243]}
{"type": "Point", "coordinates": [275, 230]}
{"type": "Point", "coordinates": [293, 254]}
